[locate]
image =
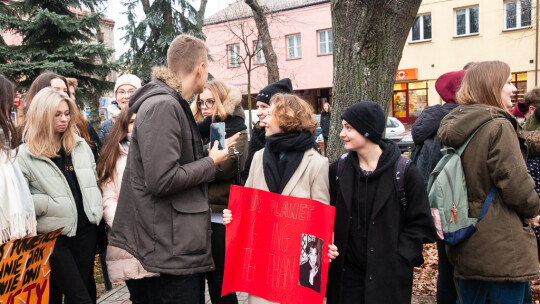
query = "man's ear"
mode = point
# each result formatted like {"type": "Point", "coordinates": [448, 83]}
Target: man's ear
{"type": "Point", "coordinates": [200, 69]}
{"type": "Point", "coordinates": [531, 109]}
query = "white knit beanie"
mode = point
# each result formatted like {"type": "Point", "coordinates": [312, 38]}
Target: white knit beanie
{"type": "Point", "coordinates": [129, 79]}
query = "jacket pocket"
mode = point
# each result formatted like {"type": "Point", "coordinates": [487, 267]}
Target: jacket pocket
{"type": "Point", "coordinates": [191, 228]}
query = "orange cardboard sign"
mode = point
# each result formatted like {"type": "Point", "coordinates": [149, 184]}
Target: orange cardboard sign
{"type": "Point", "coordinates": [25, 269]}
{"type": "Point", "coordinates": [407, 74]}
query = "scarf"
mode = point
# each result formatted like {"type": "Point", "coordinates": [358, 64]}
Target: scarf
{"type": "Point", "coordinates": [233, 125]}
{"type": "Point", "coordinates": [17, 215]}
{"type": "Point", "coordinates": [282, 156]}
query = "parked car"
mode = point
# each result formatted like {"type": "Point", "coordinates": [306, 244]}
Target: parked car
{"type": "Point", "coordinates": [394, 127]}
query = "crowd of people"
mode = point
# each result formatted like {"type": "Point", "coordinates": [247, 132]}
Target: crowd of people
{"type": "Point", "coordinates": [160, 189]}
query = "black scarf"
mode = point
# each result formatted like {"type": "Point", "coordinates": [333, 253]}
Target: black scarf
{"type": "Point", "coordinates": [233, 125]}
{"type": "Point", "coordinates": [278, 171]}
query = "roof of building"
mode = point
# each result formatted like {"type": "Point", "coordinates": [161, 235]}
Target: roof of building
{"type": "Point", "coordinates": [239, 9]}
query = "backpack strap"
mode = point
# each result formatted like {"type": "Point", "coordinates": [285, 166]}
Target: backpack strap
{"type": "Point", "coordinates": [462, 147]}
{"type": "Point", "coordinates": [341, 165]}
{"type": "Point", "coordinates": [487, 202]}
{"type": "Point", "coordinates": [401, 167]}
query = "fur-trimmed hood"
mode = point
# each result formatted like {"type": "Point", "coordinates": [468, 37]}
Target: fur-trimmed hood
{"type": "Point", "coordinates": [232, 104]}
{"type": "Point", "coordinates": [164, 74]}
{"type": "Point", "coordinates": [164, 82]}
{"type": "Point", "coordinates": [532, 139]}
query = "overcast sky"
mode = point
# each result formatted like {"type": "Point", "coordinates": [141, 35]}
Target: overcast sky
{"type": "Point", "coordinates": [116, 10]}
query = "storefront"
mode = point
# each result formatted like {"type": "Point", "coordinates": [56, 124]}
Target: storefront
{"type": "Point", "coordinates": [410, 97]}
{"type": "Point", "coordinates": [520, 81]}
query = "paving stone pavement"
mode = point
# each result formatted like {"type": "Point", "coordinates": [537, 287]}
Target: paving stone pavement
{"type": "Point", "coordinates": [120, 295]}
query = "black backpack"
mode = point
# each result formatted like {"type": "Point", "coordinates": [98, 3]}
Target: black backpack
{"type": "Point", "coordinates": [399, 172]}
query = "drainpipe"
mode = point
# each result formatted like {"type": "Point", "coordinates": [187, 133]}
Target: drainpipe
{"type": "Point", "coordinates": [536, 54]}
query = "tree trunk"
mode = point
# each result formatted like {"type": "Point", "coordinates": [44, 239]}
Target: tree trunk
{"type": "Point", "coordinates": [264, 36]}
{"type": "Point", "coordinates": [200, 14]}
{"type": "Point", "coordinates": [368, 40]}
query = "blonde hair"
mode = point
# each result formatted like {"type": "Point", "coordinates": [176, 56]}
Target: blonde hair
{"type": "Point", "coordinates": [220, 91]}
{"type": "Point", "coordinates": [292, 113]}
{"type": "Point", "coordinates": [483, 83]}
{"type": "Point", "coordinates": [184, 53]}
{"type": "Point", "coordinates": [39, 129]}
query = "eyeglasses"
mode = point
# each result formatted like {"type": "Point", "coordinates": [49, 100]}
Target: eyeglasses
{"type": "Point", "coordinates": [209, 103]}
{"type": "Point", "coordinates": [122, 92]}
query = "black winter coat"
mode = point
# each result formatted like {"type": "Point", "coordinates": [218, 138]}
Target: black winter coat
{"type": "Point", "coordinates": [395, 237]}
{"type": "Point", "coordinates": [257, 142]}
{"type": "Point", "coordinates": [325, 123]}
{"type": "Point", "coordinates": [427, 147]}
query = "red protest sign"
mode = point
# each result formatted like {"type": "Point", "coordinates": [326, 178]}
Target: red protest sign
{"type": "Point", "coordinates": [277, 246]}
{"type": "Point", "coordinates": [25, 269]}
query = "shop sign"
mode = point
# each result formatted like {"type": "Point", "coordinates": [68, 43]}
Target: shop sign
{"type": "Point", "coordinates": [17, 101]}
{"type": "Point", "coordinates": [407, 74]}
{"type": "Point", "coordinates": [243, 87]}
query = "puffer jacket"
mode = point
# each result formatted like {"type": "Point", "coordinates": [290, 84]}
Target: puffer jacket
{"type": "Point", "coordinates": [122, 266]}
{"type": "Point", "coordinates": [427, 148]}
{"type": "Point", "coordinates": [503, 248]}
{"type": "Point", "coordinates": [53, 200]}
{"type": "Point", "coordinates": [163, 217]}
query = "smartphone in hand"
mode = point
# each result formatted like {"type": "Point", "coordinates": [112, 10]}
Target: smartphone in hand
{"type": "Point", "coordinates": [217, 132]}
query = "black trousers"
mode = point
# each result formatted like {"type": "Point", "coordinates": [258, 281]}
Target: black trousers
{"type": "Point", "coordinates": [72, 263]}
{"type": "Point", "coordinates": [181, 289]}
{"type": "Point", "coordinates": [446, 289]}
{"type": "Point", "coordinates": [215, 278]}
{"type": "Point", "coordinates": [354, 287]}
{"type": "Point", "coordinates": [144, 291]}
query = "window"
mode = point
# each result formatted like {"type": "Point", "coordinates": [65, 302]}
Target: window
{"type": "Point", "coordinates": [410, 99]}
{"type": "Point", "coordinates": [294, 47]}
{"type": "Point", "coordinates": [467, 21]}
{"type": "Point", "coordinates": [517, 14]}
{"type": "Point", "coordinates": [520, 81]}
{"type": "Point", "coordinates": [259, 54]}
{"type": "Point", "coordinates": [421, 30]}
{"type": "Point", "coordinates": [325, 42]}
{"type": "Point", "coordinates": [233, 53]}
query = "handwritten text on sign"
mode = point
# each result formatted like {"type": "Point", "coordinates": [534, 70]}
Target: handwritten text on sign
{"type": "Point", "coordinates": [25, 269]}
{"type": "Point", "coordinates": [265, 245]}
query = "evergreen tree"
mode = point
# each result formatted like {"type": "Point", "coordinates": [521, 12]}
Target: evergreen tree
{"type": "Point", "coordinates": [150, 38]}
{"type": "Point", "coordinates": [56, 38]}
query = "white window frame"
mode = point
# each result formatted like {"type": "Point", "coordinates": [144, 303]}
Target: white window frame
{"type": "Point", "coordinates": [518, 15]}
{"type": "Point", "coordinates": [258, 52]}
{"type": "Point", "coordinates": [467, 21]}
{"type": "Point", "coordinates": [421, 29]}
{"type": "Point", "coordinates": [327, 42]}
{"type": "Point", "coordinates": [233, 55]}
{"type": "Point", "coordinates": [296, 47]}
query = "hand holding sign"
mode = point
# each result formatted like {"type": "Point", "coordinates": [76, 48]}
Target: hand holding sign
{"type": "Point", "coordinates": [273, 246]}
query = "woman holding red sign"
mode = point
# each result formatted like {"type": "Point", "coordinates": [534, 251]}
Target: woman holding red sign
{"type": "Point", "coordinates": [288, 162]}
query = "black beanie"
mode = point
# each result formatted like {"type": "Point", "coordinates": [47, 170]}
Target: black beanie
{"type": "Point", "coordinates": [282, 86]}
{"type": "Point", "coordinates": [366, 117]}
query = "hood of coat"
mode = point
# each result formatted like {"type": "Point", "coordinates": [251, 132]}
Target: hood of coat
{"type": "Point", "coordinates": [459, 124]}
{"type": "Point", "coordinates": [164, 82]}
{"type": "Point", "coordinates": [233, 103]}
{"type": "Point", "coordinates": [387, 160]}
{"type": "Point", "coordinates": [428, 123]}
{"type": "Point", "coordinates": [532, 139]}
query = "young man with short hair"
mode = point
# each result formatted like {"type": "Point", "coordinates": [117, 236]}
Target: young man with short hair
{"type": "Point", "coordinates": [379, 235]}
{"type": "Point", "coordinates": [163, 217]}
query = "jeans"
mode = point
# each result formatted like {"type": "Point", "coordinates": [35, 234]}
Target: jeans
{"type": "Point", "coordinates": [72, 263]}
{"type": "Point", "coordinates": [180, 289]}
{"type": "Point", "coordinates": [476, 292]}
{"type": "Point", "coordinates": [446, 289]}
{"type": "Point", "coordinates": [215, 278]}
{"type": "Point", "coordinates": [144, 291]}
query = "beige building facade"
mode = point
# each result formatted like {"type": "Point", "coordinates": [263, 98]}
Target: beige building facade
{"type": "Point", "coordinates": [448, 34]}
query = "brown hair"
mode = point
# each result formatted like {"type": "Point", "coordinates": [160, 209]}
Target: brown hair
{"type": "Point", "coordinates": [43, 81]}
{"type": "Point", "coordinates": [106, 165]}
{"type": "Point", "coordinates": [185, 53]}
{"type": "Point", "coordinates": [483, 83]}
{"type": "Point", "coordinates": [532, 98]}
{"type": "Point", "coordinates": [72, 82]}
{"type": "Point", "coordinates": [293, 113]}
{"type": "Point", "coordinates": [220, 91]}
{"type": "Point", "coordinates": [7, 126]}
